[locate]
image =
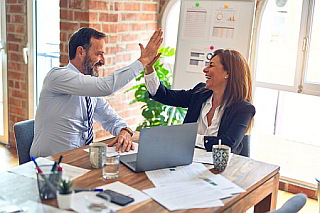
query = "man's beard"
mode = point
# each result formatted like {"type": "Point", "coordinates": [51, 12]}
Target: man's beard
{"type": "Point", "coordinates": [88, 67]}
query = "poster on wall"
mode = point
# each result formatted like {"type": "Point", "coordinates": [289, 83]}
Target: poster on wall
{"type": "Point", "coordinates": [225, 21]}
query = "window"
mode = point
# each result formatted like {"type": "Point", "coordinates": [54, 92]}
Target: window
{"type": "Point", "coordinates": [3, 76]}
{"type": "Point", "coordinates": [44, 41]}
{"type": "Point", "coordinates": [287, 88]}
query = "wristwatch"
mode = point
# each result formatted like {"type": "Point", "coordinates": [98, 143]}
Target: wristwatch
{"type": "Point", "coordinates": [128, 130]}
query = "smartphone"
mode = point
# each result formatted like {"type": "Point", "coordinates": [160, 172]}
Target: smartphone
{"type": "Point", "coordinates": [116, 197]}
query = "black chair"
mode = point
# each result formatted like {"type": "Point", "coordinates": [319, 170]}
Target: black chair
{"type": "Point", "coordinates": [246, 146]}
{"type": "Point", "coordinates": [24, 133]}
{"type": "Point", "coordinates": [293, 205]}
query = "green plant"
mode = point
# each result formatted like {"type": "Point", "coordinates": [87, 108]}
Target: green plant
{"type": "Point", "coordinates": [155, 113]}
{"type": "Point", "coordinates": [65, 186]}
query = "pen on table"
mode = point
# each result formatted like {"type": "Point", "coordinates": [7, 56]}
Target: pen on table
{"type": "Point", "coordinates": [88, 190]}
{"type": "Point", "coordinates": [58, 167]}
{"type": "Point", "coordinates": [37, 166]}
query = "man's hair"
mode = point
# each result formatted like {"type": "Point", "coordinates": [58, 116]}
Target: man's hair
{"type": "Point", "coordinates": [82, 37]}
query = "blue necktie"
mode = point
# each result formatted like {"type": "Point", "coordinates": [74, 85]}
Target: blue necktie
{"type": "Point", "coordinates": [90, 121]}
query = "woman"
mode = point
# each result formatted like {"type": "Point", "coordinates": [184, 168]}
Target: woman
{"type": "Point", "coordinates": [221, 106]}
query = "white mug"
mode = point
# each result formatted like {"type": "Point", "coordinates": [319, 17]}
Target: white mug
{"type": "Point", "coordinates": [96, 154]}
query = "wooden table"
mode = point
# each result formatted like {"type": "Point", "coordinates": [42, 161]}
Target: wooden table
{"type": "Point", "coordinates": [260, 180]}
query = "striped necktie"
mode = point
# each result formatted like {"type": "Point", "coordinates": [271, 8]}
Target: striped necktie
{"type": "Point", "coordinates": [90, 121]}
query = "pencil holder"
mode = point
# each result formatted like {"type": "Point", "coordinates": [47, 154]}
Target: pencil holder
{"type": "Point", "coordinates": [48, 182]}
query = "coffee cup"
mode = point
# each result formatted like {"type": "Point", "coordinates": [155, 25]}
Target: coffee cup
{"type": "Point", "coordinates": [220, 155]}
{"type": "Point", "coordinates": [96, 154]}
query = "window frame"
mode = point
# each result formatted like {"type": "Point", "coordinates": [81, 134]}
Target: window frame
{"type": "Point", "coordinates": [3, 56]}
{"type": "Point", "coordinates": [300, 86]}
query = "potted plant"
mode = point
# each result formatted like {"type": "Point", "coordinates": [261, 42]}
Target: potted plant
{"type": "Point", "coordinates": [155, 113]}
{"type": "Point", "coordinates": [65, 194]}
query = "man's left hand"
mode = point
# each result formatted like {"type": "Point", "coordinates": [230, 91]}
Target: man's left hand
{"type": "Point", "coordinates": [123, 142]}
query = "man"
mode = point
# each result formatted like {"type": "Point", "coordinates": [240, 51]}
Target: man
{"type": "Point", "coordinates": [71, 96]}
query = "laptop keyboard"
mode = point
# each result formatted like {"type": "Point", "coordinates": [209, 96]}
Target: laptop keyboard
{"type": "Point", "coordinates": [132, 163]}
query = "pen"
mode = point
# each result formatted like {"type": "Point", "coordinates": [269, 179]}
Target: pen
{"type": "Point", "coordinates": [54, 167]}
{"type": "Point", "coordinates": [37, 166]}
{"type": "Point", "coordinates": [88, 190]}
{"type": "Point", "coordinates": [60, 159]}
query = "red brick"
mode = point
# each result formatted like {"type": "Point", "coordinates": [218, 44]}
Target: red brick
{"type": "Point", "coordinates": [98, 5]}
{"type": "Point", "coordinates": [152, 26]}
{"type": "Point", "coordinates": [95, 26]}
{"type": "Point", "coordinates": [16, 57]}
{"type": "Point", "coordinates": [81, 16]}
{"type": "Point", "coordinates": [16, 9]}
{"type": "Point", "coordinates": [123, 27]}
{"type": "Point", "coordinates": [130, 17]}
{"type": "Point", "coordinates": [150, 7]}
{"type": "Point", "coordinates": [63, 37]}
{"type": "Point", "coordinates": [24, 104]}
{"type": "Point", "coordinates": [106, 17]}
{"type": "Point", "coordinates": [110, 28]}
{"type": "Point", "coordinates": [18, 111]}
{"type": "Point", "coordinates": [119, 6]}
{"type": "Point", "coordinates": [131, 47]}
{"type": "Point", "coordinates": [63, 3]}
{"type": "Point", "coordinates": [23, 86]}
{"type": "Point", "coordinates": [62, 48]}
{"type": "Point", "coordinates": [16, 75]}
{"type": "Point", "coordinates": [13, 47]}
{"type": "Point", "coordinates": [10, 28]}
{"type": "Point", "coordinates": [10, 83]}
{"type": "Point", "coordinates": [66, 14]}
{"type": "Point", "coordinates": [15, 102]}
{"type": "Point", "coordinates": [147, 17]}
{"type": "Point", "coordinates": [76, 4]}
{"type": "Point", "coordinates": [68, 26]}
{"type": "Point", "coordinates": [18, 19]}
{"type": "Point", "coordinates": [64, 59]}
{"type": "Point", "coordinates": [12, 1]}
{"type": "Point", "coordinates": [138, 27]}
{"type": "Point", "coordinates": [14, 66]}
{"type": "Point", "coordinates": [20, 28]}
{"type": "Point", "coordinates": [129, 37]}
{"type": "Point", "coordinates": [19, 94]}
{"type": "Point", "coordinates": [111, 50]}
{"type": "Point", "coordinates": [132, 6]}
{"type": "Point", "coordinates": [113, 39]}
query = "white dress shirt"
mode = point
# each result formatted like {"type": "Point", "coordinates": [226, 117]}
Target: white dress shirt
{"type": "Point", "coordinates": [153, 84]}
{"type": "Point", "coordinates": [61, 121]}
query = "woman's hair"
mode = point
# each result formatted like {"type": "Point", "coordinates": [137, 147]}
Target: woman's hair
{"type": "Point", "coordinates": [239, 85]}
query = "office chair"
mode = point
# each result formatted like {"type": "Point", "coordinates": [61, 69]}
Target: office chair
{"type": "Point", "coordinates": [246, 146]}
{"type": "Point", "coordinates": [293, 205]}
{"type": "Point", "coordinates": [24, 133]}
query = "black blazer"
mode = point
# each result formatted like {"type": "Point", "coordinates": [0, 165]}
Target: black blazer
{"type": "Point", "coordinates": [234, 121]}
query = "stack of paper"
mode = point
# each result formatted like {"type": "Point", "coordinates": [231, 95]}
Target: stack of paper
{"type": "Point", "coordinates": [192, 186]}
{"type": "Point", "coordinates": [81, 199]}
{"type": "Point", "coordinates": [28, 169]}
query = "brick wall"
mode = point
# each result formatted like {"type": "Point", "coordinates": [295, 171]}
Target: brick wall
{"type": "Point", "coordinates": [126, 23]}
{"type": "Point", "coordinates": [17, 70]}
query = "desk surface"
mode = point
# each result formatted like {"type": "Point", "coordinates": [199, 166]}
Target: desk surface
{"type": "Point", "coordinates": [260, 180]}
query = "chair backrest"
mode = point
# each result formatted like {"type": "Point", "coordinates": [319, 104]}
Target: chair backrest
{"type": "Point", "coordinates": [293, 205]}
{"type": "Point", "coordinates": [246, 146]}
{"type": "Point", "coordinates": [24, 133]}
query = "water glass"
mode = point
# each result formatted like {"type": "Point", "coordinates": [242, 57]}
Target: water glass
{"type": "Point", "coordinates": [111, 163]}
{"type": "Point", "coordinates": [96, 154]}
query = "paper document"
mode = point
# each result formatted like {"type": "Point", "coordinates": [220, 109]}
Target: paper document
{"type": "Point", "coordinates": [34, 207]}
{"type": "Point", "coordinates": [185, 195]}
{"type": "Point", "coordinates": [226, 185]}
{"type": "Point", "coordinates": [202, 156]}
{"type": "Point", "coordinates": [124, 153]}
{"type": "Point", "coordinates": [81, 199]}
{"type": "Point", "coordinates": [190, 172]}
{"type": "Point", "coordinates": [28, 169]}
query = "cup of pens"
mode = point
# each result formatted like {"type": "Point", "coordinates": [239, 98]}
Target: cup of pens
{"type": "Point", "coordinates": [220, 155]}
{"type": "Point", "coordinates": [48, 178]}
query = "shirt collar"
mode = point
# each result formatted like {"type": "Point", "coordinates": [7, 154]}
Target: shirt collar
{"type": "Point", "coordinates": [72, 67]}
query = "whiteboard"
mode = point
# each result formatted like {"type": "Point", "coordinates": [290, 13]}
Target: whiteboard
{"type": "Point", "coordinates": [205, 26]}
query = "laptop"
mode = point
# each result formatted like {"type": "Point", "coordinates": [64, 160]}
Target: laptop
{"type": "Point", "coordinates": [162, 147]}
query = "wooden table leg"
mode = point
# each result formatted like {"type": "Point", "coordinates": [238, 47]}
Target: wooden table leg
{"type": "Point", "coordinates": [269, 202]}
